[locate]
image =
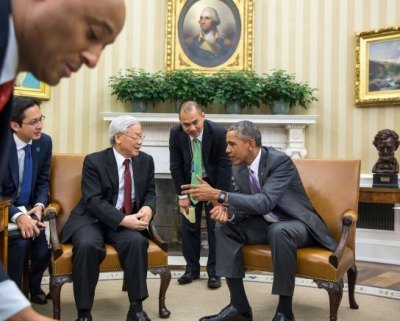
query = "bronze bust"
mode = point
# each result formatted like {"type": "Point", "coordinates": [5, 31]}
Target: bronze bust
{"type": "Point", "coordinates": [386, 142]}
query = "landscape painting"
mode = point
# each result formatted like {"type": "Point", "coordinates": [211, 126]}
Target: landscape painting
{"type": "Point", "coordinates": [377, 79]}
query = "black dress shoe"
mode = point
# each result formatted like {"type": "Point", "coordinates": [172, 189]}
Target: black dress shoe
{"type": "Point", "coordinates": [137, 316]}
{"type": "Point", "coordinates": [39, 297]}
{"type": "Point", "coordinates": [282, 317]}
{"type": "Point", "coordinates": [214, 282]}
{"type": "Point", "coordinates": [87, 318]}
{"type": "Point", "coordinates": [229, 313]}
{"type": "Point", "coordinates": [188, 277]}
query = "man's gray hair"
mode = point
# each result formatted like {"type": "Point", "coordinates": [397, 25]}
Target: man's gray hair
{"type": "Point", "coordinates": [120, 125]}
{"type": "Point", "coordinates": [247, 130]}
{"type": "Point", "coordinates": [213, 14]}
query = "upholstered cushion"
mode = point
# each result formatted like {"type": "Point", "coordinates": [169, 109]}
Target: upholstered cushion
{"type": "Point", "coordinates": [312, 262]}
{"type": "Point", "coordinates": [63, 265]}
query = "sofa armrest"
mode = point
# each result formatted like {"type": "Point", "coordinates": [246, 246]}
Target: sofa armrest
{"type": "Point", "coordinates": [349, 218]}
{"type": "Point", "coordinates": [50, 214]}
{"type": "Point", "coordinates": [155, 237]}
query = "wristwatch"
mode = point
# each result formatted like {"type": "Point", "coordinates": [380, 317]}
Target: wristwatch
{"type": "Point", "coordinates": [221, 197]}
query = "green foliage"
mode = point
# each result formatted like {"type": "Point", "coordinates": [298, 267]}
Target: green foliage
{"type": "Point", "coordinates": [184, 84]}
{"type": "Point", "coordinates": [241, 86]}
{"type": "Point", "coordinates": [137, 84]}
{"type": "Point", "coordinates": [280, 85]}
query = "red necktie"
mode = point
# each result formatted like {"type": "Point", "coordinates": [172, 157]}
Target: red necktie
{"type": "Point", "coordinates": [5, 93]}
{"type": "Point", "coordinates": [127, 207]}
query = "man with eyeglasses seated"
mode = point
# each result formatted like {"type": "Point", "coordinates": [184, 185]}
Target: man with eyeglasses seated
{"type": "Point", "coordinates": [26, 183]}
{"type": "Point", "coordinates": [118, 202]}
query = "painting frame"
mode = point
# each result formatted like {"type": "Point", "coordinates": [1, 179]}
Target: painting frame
{"type": "Point", "coordinates": [39, 90]}
{"type": "Point", "coordinates": [238, 16]}
{"type": "Point", "coordinates": [371, 66]}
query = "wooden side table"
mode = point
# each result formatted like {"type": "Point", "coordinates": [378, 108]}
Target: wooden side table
{"type": "Point", "coordinates": [379, 195]}
{"type": "Point", "coordinates": [4, 203]}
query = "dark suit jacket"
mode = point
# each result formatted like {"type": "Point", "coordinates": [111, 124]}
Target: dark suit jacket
{"type": "Point", "coordinates": [100, 191]}
{"type": "Point", "coordinates": [282, 192]}
{"type": "Point", "coordinates": [5, 10]}
{"type": "Point", "coordinates": [216, 162]}
{"type": "Point", "coordinates": [41, 160]}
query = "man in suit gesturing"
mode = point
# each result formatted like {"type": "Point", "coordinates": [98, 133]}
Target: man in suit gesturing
{"type": "Point", "coordinates": [215, 167]}
{"type": "Point", "coordinates": [28, 146]}
{"type": "Point", "coordinates": [116, 207]}
{"type": "Point", "coordinates": [269, 205]}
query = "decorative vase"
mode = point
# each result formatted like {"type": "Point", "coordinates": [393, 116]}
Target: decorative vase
{"type": "Point", "coordinates": [139, 106]}
{"type": "Point", "coordinates": [233, 107]}
{"type": "Point", "coordinates": [280, 107]}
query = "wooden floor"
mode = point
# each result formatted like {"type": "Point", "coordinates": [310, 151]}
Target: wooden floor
{"type": "Point", "coordinates": [379, 275]}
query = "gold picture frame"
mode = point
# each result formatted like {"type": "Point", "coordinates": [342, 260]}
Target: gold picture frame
{"type": "Point", "coordinates": [378, 67]}
{"type": "Point", "coordinates": [186, 48]}
{"type": "Point", "coordinates": [27, 85]}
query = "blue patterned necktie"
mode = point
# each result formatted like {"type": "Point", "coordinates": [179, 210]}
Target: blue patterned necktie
{"type": "Point", "coordinates": [196, 163]}
{"type": "Point", "coordinates": [26, 183]}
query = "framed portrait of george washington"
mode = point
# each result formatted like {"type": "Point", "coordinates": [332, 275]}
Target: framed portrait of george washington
{"type": "Point", "coordinates": [209, 35]}
{"type": "Point", "coordinates": [27, 85]}
{"type": "Point", "coordinates": [378, 67]}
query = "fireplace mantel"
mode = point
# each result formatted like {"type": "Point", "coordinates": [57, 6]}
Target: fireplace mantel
{"type": "Point", "coordinates": [284, 132]}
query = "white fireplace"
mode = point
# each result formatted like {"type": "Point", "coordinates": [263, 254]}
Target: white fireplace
{"type": "Point", "coordinates": [284, 132]}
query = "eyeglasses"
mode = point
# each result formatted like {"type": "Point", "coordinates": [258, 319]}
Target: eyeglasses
{"type": "Point", "coordinates": [36, 121]}
{"type": "Point", "coordinates": [135, 138]}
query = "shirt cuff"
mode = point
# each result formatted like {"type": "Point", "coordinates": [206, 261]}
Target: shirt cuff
{"type": "Point", "coordinates": [15, 216]}
{"type": "Point", "coordinates": [182, 197]}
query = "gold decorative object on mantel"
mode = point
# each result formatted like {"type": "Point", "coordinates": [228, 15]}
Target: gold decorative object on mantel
{"type": "Point", "coordinates": [209, 36]}
{"type": "Point", "coordinates": [378, 67]}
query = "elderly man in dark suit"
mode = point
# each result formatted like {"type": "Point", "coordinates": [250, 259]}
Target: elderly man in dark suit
{"type": "Point", "coordinates": [216, 168]}
{"type": "Point", "coordinates": [118, 202]}
{"type": "Point", "coordinates": [269, 205]}
{"type": "Point", "coordinates": [28, 190]}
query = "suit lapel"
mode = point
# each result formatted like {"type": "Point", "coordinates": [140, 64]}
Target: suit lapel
{"type": "Point", "coordinates": [36, 149]}
{"type": "Point", "coordinates": [206, 141]}
{"type": "Point", "coordinates": [136, 170]}
{"type": "Point", "coordinates": [262, 167]}
{"type": "Point", "coordinates": [112, 172]}
{"type": "Point", "coordinates": [13, 162]}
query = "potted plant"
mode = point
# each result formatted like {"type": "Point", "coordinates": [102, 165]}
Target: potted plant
{"type": "Point", "coordinates": [281, 91]}
{"type": "Point", "coordinates": [184, 84]}
{"type": "Point", "coordinates": [138, 87]}
{"type": "Point", "coordinates": [237, 89]}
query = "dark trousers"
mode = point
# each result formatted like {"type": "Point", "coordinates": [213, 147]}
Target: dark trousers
{"type": "Point", "coordinates": [191, 240]}
{"type": "Point", "coordinates": [20, 250]}
{"type": "Point", "coordinates": [89, 251]}
{"type": "Point", "coordinates": [283, 237]}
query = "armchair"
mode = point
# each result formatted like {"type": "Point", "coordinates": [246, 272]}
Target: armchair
{"type": "Point", "coordinates": [65, 192]}
{"type": "Point", "coordinates": [333, 188]}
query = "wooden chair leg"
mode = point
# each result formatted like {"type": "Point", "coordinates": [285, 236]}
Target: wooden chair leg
{"type": "Point", "coordinates": [56, 283]}
{"type": "Point", "coordinates": [335, 292]}
{"type": "Point", "coordinates": [165, 278]}
{"type": "Point", "coordinates": [352, 279]}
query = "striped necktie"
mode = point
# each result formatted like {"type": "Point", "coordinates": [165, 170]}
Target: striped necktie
{"type": "Point", "coordinates": [196, 163]}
